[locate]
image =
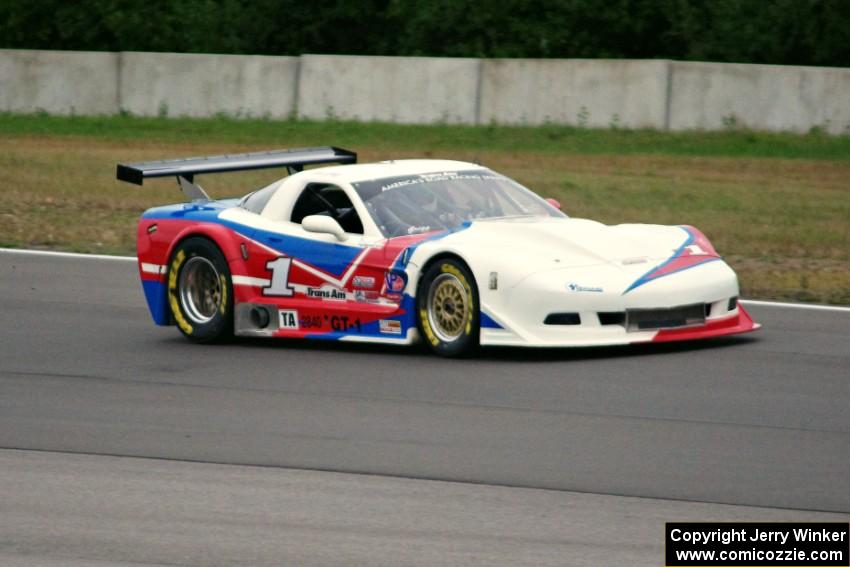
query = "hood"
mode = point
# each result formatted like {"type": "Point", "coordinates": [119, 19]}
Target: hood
{"type": "Point", "coordinates": [569, 243]}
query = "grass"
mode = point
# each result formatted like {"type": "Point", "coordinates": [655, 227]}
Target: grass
{"type": "Point", "coordinates": [415, 138]}
{"type": "Point", "coordinates": [776, 205]}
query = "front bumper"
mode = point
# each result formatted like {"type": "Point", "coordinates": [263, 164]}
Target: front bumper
{"type": "Point", "coordinates": [542, 311]}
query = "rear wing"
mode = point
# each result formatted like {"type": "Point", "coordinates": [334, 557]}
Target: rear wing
{"type": "Point", "coordinates": [186, 169]}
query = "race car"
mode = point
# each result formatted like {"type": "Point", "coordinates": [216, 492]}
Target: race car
{"type": "Point", "coordinates": [448, 252]}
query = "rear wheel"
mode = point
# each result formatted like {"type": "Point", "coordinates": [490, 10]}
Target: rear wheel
{"type": "Point", "coordinates": [200, 293]}
{"type": "Point", "coordinates": [447, 308]}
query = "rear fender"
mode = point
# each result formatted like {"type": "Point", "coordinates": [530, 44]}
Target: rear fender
{"type": "Point", "coordinates": [226, 239]}
{"type": "Point", "coordinates": [155, 290]}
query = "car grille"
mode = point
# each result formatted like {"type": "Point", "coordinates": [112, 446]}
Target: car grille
{"type": "Point", "coordinates": [651, 319]}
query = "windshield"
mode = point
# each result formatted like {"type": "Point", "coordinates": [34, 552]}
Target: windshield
{"type": "Point", "coordinates": [413, 204]}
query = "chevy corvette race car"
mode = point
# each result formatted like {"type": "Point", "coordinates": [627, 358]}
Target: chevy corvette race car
{"type": "Point", "coordinates": [393, 252]}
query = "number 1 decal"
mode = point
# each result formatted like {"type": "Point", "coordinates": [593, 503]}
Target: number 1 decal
{"type": "Point", "coordinates": [280, 277]}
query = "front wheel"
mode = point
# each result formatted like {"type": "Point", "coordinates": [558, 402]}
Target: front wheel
{"type": "Point", "coordinates": [447, 308]}
{"type": "Point", "coordinates": [200, 293]}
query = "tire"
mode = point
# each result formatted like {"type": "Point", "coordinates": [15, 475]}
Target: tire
{"type": "Point", "coordinates": [200, 291]}
{"type": "Point", "coordinates": [447, 309]}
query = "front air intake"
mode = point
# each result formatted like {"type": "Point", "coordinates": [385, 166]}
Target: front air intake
{"type": "Point", "coordinates": [612, 318]}
{"type": "Point", "coordinates": [562, 319]}
{"type": "Point", "coordinates": [672, 318]}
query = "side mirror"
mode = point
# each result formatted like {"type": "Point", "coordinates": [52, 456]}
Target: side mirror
{"type": "Point", "coordinates": [554, 203]}
{"type": "Point", "coordinates": [323, 224]}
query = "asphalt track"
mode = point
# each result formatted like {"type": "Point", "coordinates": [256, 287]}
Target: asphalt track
{"type": "Point", "coordinates": [760, 420]}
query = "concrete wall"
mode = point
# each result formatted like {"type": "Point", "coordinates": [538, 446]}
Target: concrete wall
{"type": "Point", "coordinates": [595, 93]}
{"type": "Point", "coordinates": [586, 92]}
{"type": "Point", "coordinates": [389, 89]}
{"type": "Point", "coordinates": [58, 82]}
{"type": "Point", "coordinates": [186, 84]}
{"type": "Point", "coordinates": [711, 96]}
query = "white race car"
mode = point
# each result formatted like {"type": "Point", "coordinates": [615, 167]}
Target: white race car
{"type": "Point", "coordinates": [391, 252]}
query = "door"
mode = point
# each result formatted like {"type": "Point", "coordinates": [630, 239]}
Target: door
{"type": "Point", "coordinates": [324, 287]}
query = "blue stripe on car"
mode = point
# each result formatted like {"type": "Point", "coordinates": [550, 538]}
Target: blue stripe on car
{"type": "Point", "coordinates": [330, 257]}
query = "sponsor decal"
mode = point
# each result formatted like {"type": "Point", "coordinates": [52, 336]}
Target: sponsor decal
{"type": "Point", "coordinates": [311, 322]}
{"type": "Point", "coordinates": [576, 288]}
{"type": "Point", "coordinates": [396, 282]}
{"type": "Point", "coordinates": [288, 319]}
{"type": "Point", "coordinates": [363, 296]}
{"type": "Point", "coordinates": [390, 326]}
{"type": "Point", "coordinates": [399, 182]}
{"type": "Point", "coordinates": [343, 323]}
{"type": "Point", "coordinates": [367, 282]}
{"type": "Point", "coordinates": [338, 323]}
{"type": "Point", "coordinates": [326, 293]}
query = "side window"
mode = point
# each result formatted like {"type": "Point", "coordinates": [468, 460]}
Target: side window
{"type": "Point", "coordinates": [256, 201]}
{"type": "Point", "coordinates": [329, 200]}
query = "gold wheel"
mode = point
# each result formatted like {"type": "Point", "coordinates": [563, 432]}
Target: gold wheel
{"type": "Point", "coordinates": [448, 307]}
